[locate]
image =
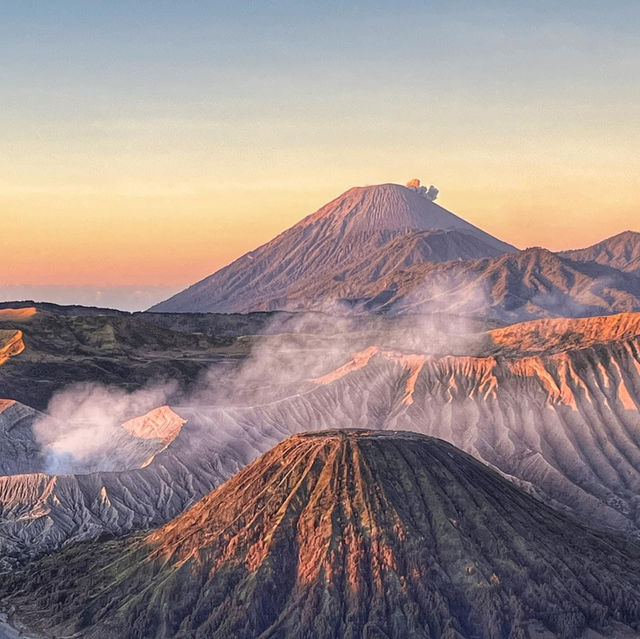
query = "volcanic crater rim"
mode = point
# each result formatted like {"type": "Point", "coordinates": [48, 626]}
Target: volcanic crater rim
{"type": "Point", "coordinates": [365, 433]}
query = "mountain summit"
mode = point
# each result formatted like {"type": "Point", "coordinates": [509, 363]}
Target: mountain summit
{"type": "Point", "coordinates": [389, 208]}
{"type": "Point", "coordinates": [342, 234]}
{"type": "Point", "coordinates": [380, 535]}
{"type": "Point", "coordinates": [621, 252]}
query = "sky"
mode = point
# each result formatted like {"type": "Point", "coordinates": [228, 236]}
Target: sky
{"type": "Point", "coordinates": [147, 144]}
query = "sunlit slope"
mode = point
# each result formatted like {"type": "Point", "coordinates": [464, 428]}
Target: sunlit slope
{"type": "Point", "coordinates": [343, 534]}
{"type": "Point", "coordinates": [563, 424]}
{"type": "Point", "coordinates": [11, 344]}
{"type": "Point", "coordinates": [563, 334]}
{"type": "Point", "coordinates": [17, 314]}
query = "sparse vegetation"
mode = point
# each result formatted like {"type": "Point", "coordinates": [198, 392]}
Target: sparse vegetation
{"type": "Point", "coordinates": [344, 535]}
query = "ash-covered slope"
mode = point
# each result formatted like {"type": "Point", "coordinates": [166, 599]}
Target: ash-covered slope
{"type": "Point", "coordinates": [342, 233]}
{"type": "Point", "coordinates": [621, 252]}
{"type": "Point", "coordinates": [126, 483]}
{"type": "Point", "coordinates": [343, 534]}
{"type": "Point", "coordinates": [20, 451]}
{"type": "Point", "coordinates": [551, 404]}
{"type": "Point", "coordinates": [34, 442]}
{"type": "Point", "coordinates": [66, 481]}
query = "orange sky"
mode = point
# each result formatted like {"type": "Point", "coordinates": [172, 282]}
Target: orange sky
{"type": "Point", "coordinates": [173, 239]}
{"type": "Point", "coordinates": [146, 148]}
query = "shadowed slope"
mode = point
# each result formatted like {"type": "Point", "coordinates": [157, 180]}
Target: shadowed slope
{"type": "Point", "coordinates": [52, 350]}
{"type": "Point", "coordinates": [343, 534]}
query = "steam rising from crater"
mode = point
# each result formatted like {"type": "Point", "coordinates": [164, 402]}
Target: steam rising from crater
{"type": "Point", "coordinates": [83, 427]}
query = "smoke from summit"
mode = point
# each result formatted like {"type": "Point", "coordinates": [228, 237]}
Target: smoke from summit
{"type": "Point", "coordinates": [430, 193]}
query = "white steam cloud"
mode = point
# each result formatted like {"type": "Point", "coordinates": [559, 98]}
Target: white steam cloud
{"type": "Point", "coordinates": [82, 429]}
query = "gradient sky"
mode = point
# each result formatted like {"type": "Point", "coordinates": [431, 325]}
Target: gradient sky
{"type": "Point", "coordinates": [146, 144]}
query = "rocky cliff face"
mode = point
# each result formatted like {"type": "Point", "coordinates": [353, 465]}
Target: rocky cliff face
{"type": "Point", "coordinates": [11, 344]}
{"type": "Point", "coordinates": [343, 534]}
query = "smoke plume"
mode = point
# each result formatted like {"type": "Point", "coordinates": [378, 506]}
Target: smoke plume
{"type": "Point", "coordinates": [430, 193]}
{"type": "Point", "coordinates": [82, 430]}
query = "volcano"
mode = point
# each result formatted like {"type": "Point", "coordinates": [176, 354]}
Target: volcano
{"type": "Point", "coordinates": [343, 534]}
{"type": "Point", "coordinates": [399, 224]}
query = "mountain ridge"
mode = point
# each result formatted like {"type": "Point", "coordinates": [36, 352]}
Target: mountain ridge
{"type": "Point", "coordinates": [621, 251]}
{"type": "Point", "coordinates": [525, 285]}
{"type": "Point", "coordinates": [388, 248]}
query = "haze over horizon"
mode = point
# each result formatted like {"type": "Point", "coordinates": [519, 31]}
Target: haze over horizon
{"type": "Point", "coordinates": [145, 146]}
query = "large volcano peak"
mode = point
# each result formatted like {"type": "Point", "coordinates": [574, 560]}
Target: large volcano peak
{"type": "Point", "coordinates": [386, 207]}
{"type": "Point", "coordinates": [341, 234]}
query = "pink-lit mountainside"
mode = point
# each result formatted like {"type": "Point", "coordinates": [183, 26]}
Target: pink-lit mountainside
{"type": "Point", "coordinates": [362, 235]}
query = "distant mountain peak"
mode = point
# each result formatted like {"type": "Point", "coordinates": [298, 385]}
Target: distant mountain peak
{"type": "Point", "coordinates": [628, 234]}
{"type": "Point", "coordinates": [387, 207]}
{"type": "Point", "coordinates": [623, 236]}
{"type": "Point", "coordinates": [342, 233]}
{"type": "Point", "coordinates": [621, 251]}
